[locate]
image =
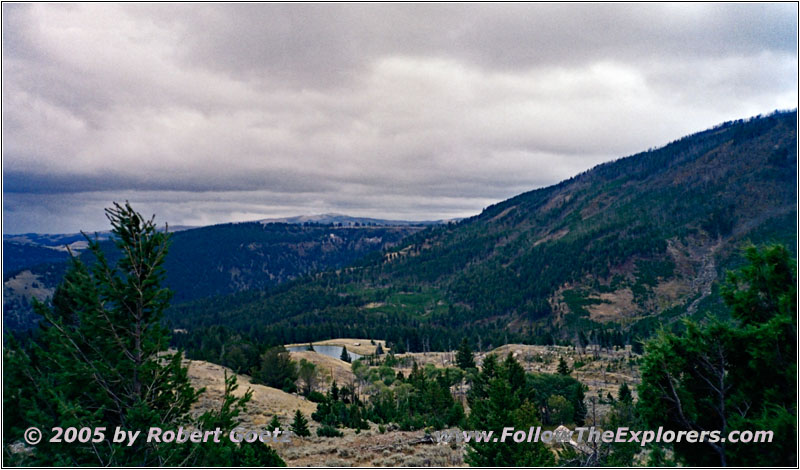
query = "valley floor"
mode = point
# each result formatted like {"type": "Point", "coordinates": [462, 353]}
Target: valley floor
{"type": "Point", "coordinates": [602, 372]}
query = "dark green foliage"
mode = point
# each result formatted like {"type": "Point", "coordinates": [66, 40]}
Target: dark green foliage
{"type": "Point", "coordinates": [560, 410]}
{"type": "Point", "coordinates": [341, 407]}
{"type": "Point", "coordinates": [95, 355]}
{"type": "Point", "coordinates": [98, 360]}
{"type": "Point", "coordinates": [223, 259]}
{"type": "Point", "coordinates": [277, 369]}
{"type": "Point", "coordinates": [577, 301]}
{"type": "Point", "coordinates": [540, 387]}
{"type": "Point", "coordinates": [464, 358]}
{"type": "Point", "coordinates": [423, 400]}
{"type": "Point", "coordinates": [328, 431]}
{"type": "Point", "coordinates": [300, 424]}
{"type": "Point", "coordinates": [497, 400]}
{"type": "Point", "coordinates": [732, 376]}
{"type": "Point", "coordinates": [563, 368]}
{"type": "Point", "coordinates": [344, 356]}
{"type": "Point", "coordinates": [623, 414]}
{"type": "Point", "coordinates": [625, 393]}
{"type": "Point", "coordinates": [18, 256]}
{"type": "Point", "coordinates": [763, 288]}
{"type": "Point", "coordinates": [274, 423]}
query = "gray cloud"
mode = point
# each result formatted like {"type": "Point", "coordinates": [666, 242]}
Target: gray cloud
{"type": "Point", "coordinates": [208, 113]}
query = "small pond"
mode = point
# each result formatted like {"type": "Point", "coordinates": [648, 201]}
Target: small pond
{"type": "Point", "coordinates": [331, 351]}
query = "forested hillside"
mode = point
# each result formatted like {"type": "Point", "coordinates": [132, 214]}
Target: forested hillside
{"type": "Point", "coordinates": [207, 261]}
{"type": "Point", "coordinates": [17, 256]}
{"type": "Point", "coordinates": [228, 258]}
{"type": "Point", "coordinates": [604, 257]}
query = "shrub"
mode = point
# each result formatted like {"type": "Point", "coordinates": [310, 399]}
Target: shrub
{"type": "Point", "coordinates": [329, 431]}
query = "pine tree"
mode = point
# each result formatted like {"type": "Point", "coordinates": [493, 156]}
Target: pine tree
{"type": "Point", "coordinates": [498, 402]}
{"type": "Point", "coordinates": [622, 414]}
{"type": "Point", "coordinates": [334, 391]}
{"type": "Point", "coordinates": [300, 425]}
{"type": "Point", "coordinates": [225, 453]}
{"type": "Point", "coordinates": [345, 357]}
{"type": "Point", "coordinates": [99, 360]}
{"type": "Point", "coordinates": [625, 393]}
{"type": "Point", "coordinates": [277, 369]}
{"type": "Point", "coordinates": [732, 376]}
{"type": "Point", "coordinates": [563, 368]}
{"type": "Point", "coordinates": [274, 423]}
{"type": "Point", "coordinates": [464, 358]}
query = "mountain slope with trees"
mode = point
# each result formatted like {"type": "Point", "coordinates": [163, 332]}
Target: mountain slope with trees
{"type": "Point", "coordinates": [203, 262]}
{"type": "Point", "coordinates": [603, 257]}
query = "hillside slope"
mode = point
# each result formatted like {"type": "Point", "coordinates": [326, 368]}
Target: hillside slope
{"type": "Point", "coordinates": [204, 262]}
{"type": "Point", "coordinates": [608, 254]}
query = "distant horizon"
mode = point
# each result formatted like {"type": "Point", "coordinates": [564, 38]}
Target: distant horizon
{"type": "Point", "coordinates": [264, 220]}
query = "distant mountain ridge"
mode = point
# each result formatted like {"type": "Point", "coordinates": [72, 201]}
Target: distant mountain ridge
{"type": "Point", "coordinates": [202, 262]}
{"type": "Point", "coordinates": [25, 250]}
{"type": "Point", "coordinates": [346, 220]}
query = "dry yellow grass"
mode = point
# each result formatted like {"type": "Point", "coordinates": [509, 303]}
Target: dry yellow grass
{"type": "Point", "coordinates": [369, 448]}
{"type": "Point", "coordinates": [616, 305]}
{"type": "Point", "coordinates": [329, 367]}
{"type": "Point", "coordinates": [27, 285]}
{"type": "Point", "coordinates": [266, 401]}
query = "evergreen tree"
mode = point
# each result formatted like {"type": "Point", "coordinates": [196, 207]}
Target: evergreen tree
{"type": "Point", "coordinates": [344, 356]}
{"type": "Point", "coordinates": [563, 368]}
{"type": "Point", "coordinates": [274, 423]}
{"type": "Point", "coordinates": [465, 358]}
{"type": "Point", "coordinates": [625, 394]}
{"type": "Point", "coordinates": [225, 453]}
{"type": "Point", "coordinates": [334, 391]}
{"type": "Point", "coordinates": [497, 403]}
{"type": "Point", "coordinates": [622, 414]}
{"type": "Point", "coordinates": [725, 376]}
{"type": "Point", "coordinates": [99, 360]}
{"type": "Point", "coordinates": [300, 424]}
{"type": "Point", "coordinates": [277, 369]}
{"type": "Point", "coordinates": [561, 411]}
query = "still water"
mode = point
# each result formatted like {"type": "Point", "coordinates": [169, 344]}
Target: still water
{"type": "Point", "coordinates": [331, 351]}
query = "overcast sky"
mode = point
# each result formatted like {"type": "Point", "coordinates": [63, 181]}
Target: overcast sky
{"type": "Point", "coordinates": [209, 113]}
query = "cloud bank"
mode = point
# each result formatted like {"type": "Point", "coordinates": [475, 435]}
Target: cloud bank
{"type": "Point", "coordinates": [208, 113]}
